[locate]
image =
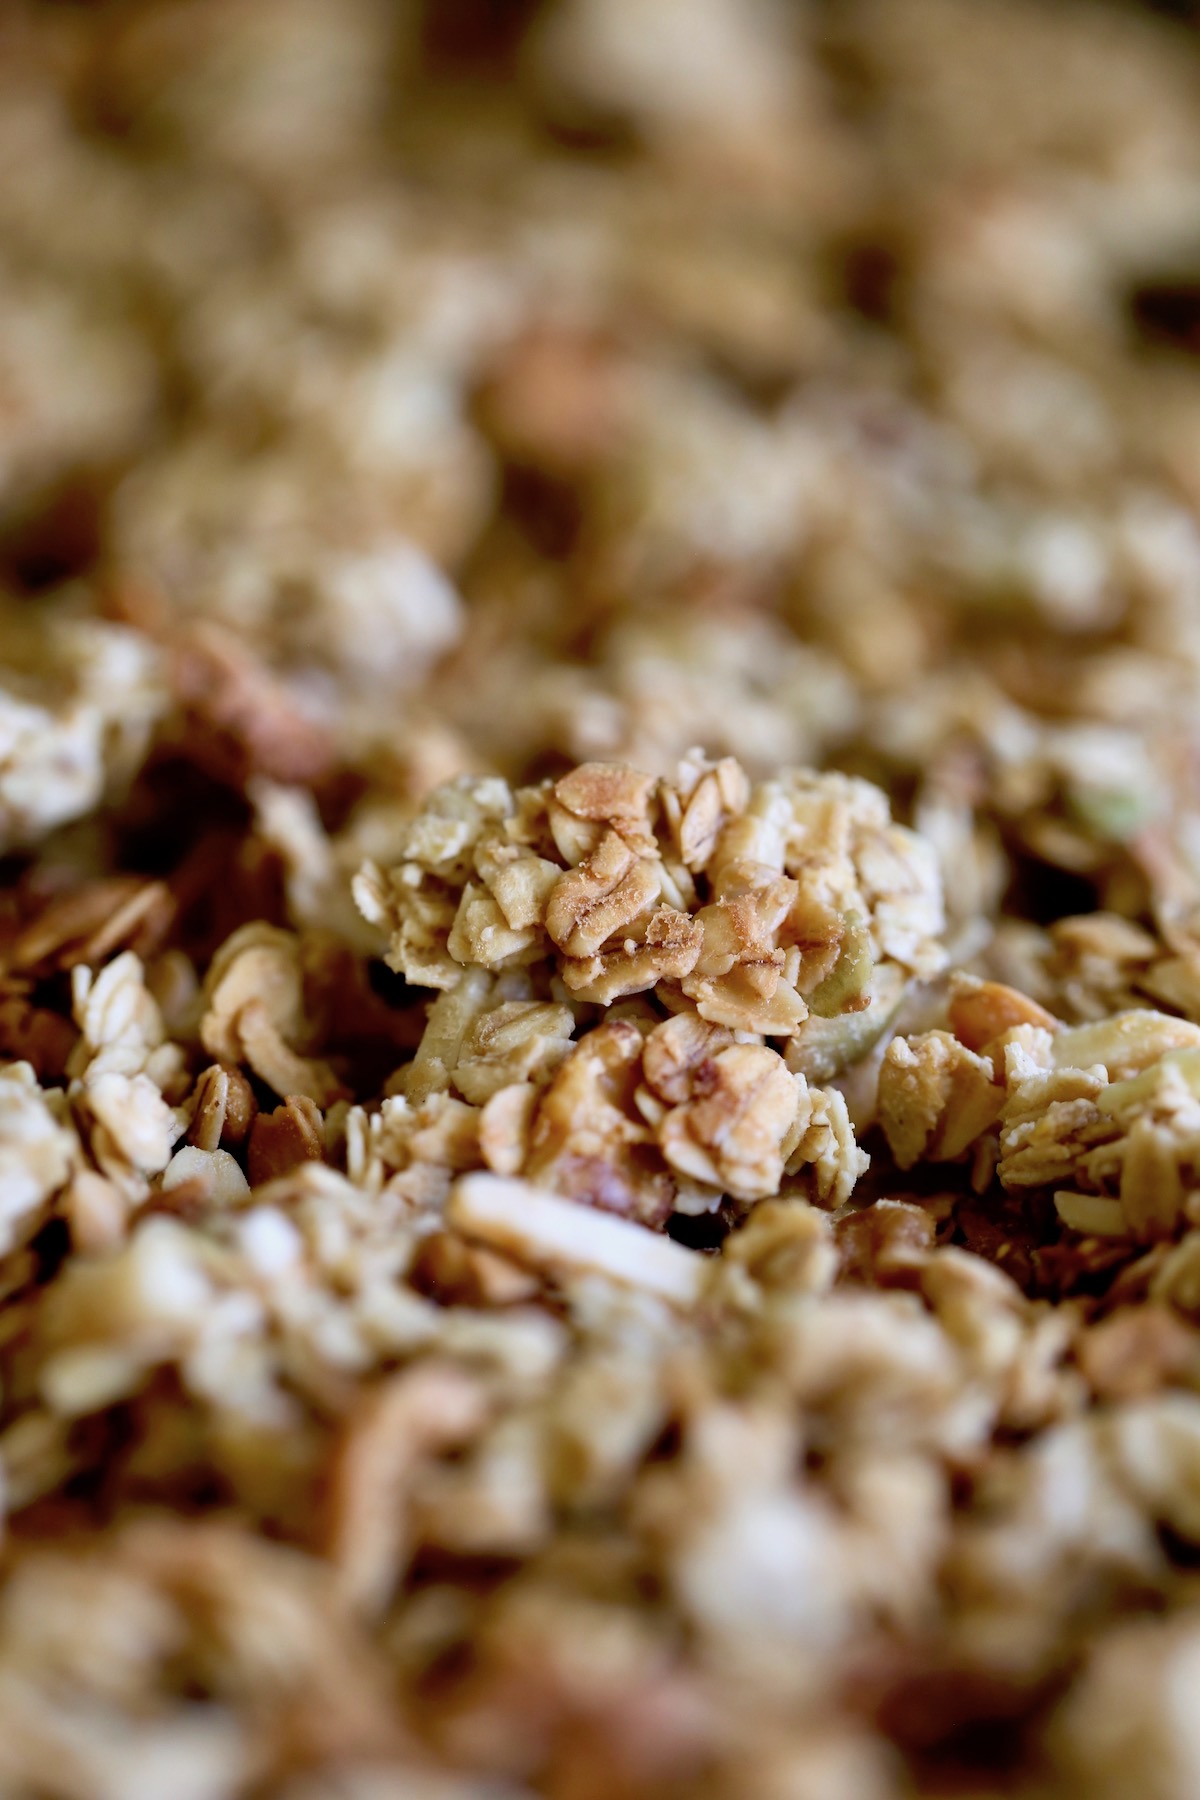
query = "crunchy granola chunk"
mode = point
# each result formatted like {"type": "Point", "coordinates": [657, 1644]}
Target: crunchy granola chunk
{"type": "Point", "coordinates": [1105, 1114]}
{"type": "Point", "coordinates": [739, 906]}
{"type": "Point", "coordinates": [753, 900]}
{"type": "Point", "coordinates": [740, 1123]}
{"type": "Point", "coordinates": [630, 910]}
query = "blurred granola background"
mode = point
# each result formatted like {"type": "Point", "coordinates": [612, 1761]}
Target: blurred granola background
{"type": "Point", "coordinates": [495, 392]}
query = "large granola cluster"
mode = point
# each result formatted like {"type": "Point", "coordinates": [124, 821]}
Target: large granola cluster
{"type": "Point", "coordinates": [791, 910]}
{"type": "Point", "coordinates": [539, 1261]}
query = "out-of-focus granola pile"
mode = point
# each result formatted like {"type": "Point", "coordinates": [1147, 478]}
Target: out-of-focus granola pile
{"type": "Point", "coordinates": [600, 921]}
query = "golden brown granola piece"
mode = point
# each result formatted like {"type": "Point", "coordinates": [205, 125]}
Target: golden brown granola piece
{"type": "Point", "coordinates": [256, 1012]}
{"type": "Point", "coordinates": [749, 898]}
{"type": "Point", "coordinates": [588, 1139]}
{"type": "Point", "coordinates": [87, 924]}
{"type": "Point", "coordinates": [96, 1212]}
{"type": "Point", "coordinates": [935, 1098]}
{"type": "Point", "coordinates": [414, 1414]}
{"type": "Point", "coordinates": [280, 1141]}
{"type": "Point", "coordinates": [1096, 962]}
{"type": "Point", "coordinates": [611, 794]}
{"type": "Point", "coordinates": [743, 1118]}
{"type": "Point", "coordinates": [1132, 1138]}
{"type": "Point", "coordinates": [505, 1126]}
{"type": "Point", "coordinates": [676, 1051]}
{"type": "Point", "coordinates": [785, 1245]}
{"type": "Point", "coordinates": [705, 796]}
{"type": "Point", "coordinates": [467, 1275]}
{"type": "Point", "coordinates": [601, 897]}
{"type": "Point", "coordinates": [667, 953]}
{"type": "Point", "coordinates": [516, 1041]}
{"type": "Point", "coordinates": [981, 1011]}
{"type": "Point", "coordinates": [223, 1108]}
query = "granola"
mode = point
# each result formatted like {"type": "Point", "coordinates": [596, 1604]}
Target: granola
{"type": "Point", "coordinates": [540, 1261]}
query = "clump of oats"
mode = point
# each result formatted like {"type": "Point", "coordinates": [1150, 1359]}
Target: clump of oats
{"type": "Point", "coordinates": [747, 912]}
{"type": "Point", "coordinates": [1105, 1110]}
{"type": "Point", "coordinates": [758, 903]}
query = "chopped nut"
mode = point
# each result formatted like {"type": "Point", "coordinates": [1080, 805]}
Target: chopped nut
{"type": "Point", "coordinates": [223, 1108]}
{"type": "Point", "coordinates": [981, 1011]}
{"type": "Point", "coordinates": [214, 1171]}
{"type": "Point", "coordinates": [452, 1270]}
{"type": "Point", "coordinates": [1091, 1214]}
{"type": "Point", "coordinates": [602, 896]}
{"type": "Point", "coordinates": [936, 1098]}
{"type": "Point", "coordinates": [677, 1050]}
{"type": "Point", "coordinates": [280, 1141]}
{"type": "Point", "coordinates": [504, 1129]}
{"type": "Point", "coordinates": [558, 1235]}
{"type": "Point", "coordinates": [737, 1129]}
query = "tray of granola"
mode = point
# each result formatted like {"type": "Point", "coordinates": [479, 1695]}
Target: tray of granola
{"type": "Point", "coordinates": [600, 903]}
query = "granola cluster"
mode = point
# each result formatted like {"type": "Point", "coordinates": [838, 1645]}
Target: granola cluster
{"type": "Point", "coordinates": [600, 900]}
{"type": "Point", "coordinates": [790, 909]}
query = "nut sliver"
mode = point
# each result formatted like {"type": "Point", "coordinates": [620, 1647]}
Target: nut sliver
{"type": "Point", "coordinates": [552, 1233]}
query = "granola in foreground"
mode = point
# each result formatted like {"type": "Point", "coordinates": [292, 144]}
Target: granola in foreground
{"type": "Point", "coordinates": [600, 922]}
